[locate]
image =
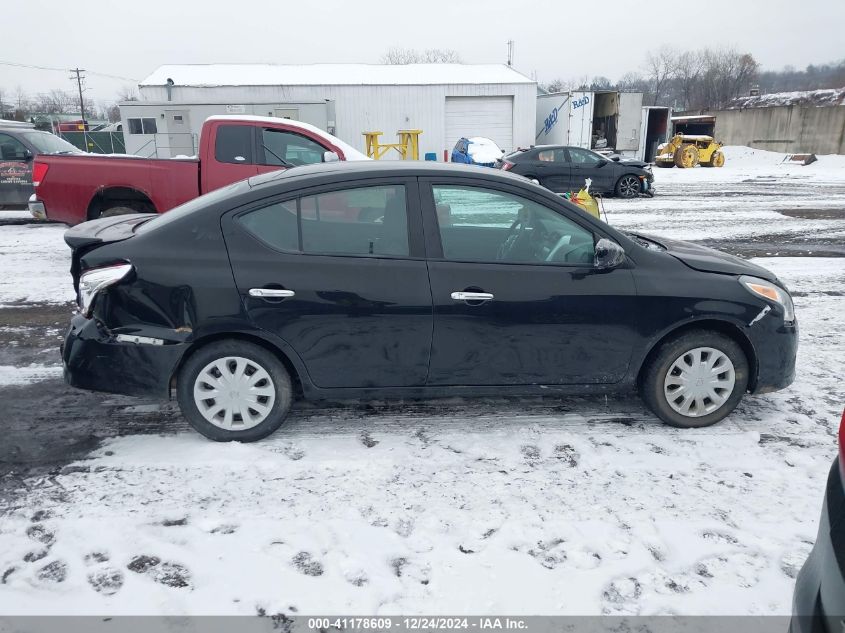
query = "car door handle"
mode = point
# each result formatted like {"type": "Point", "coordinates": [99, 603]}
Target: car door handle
{"type": "Point", "coordinates": [271, 293]}
{"type": "Point", "coordinates": [472, 296]}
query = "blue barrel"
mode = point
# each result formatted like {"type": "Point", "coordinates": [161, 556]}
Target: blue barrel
{"type": "Point", "coordinates": [431, 156]}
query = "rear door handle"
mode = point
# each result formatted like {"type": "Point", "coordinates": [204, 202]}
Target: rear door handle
{"type": "Point", "coordinates": [472, 296]}
{"type": "Point", "coordinates": [271, 293]}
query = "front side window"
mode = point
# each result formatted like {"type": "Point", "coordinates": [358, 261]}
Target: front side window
{"type": "Point", "coordinates": [363, 221]}
{"type": "Point", "coordinates": [584, 157]}
{"type": "Point", "coordinates": [485, 225]}
{"type": "Point", "coordinates": [287, 148]}
{"type": "Point", "coordinates": [11, 148]}
{"type": "Point", "coordinates": [233, 144]}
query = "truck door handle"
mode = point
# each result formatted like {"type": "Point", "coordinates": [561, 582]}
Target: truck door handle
{"type": "Point", "coordinates": [472, 296]}
{"type": "Point", "coordinates": [271, 293]}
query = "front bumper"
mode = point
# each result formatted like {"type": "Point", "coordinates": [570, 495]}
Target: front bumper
{"type": "Point", "coordinates": [95, 359]}
{"type": "Point", "coordinates": [776, 347]}
{"type": "Point", "coordinates": [37, 208]}
{"type": "Point", "coordinates": [818, 604]}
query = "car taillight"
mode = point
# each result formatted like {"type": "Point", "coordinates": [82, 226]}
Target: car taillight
{"type": "Point", "coordinates": [39, 170]}
{"type": "Point", "coordinates": [506, 165]}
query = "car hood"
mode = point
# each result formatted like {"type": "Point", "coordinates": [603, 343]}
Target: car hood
{"type": "Point", "coordinates": [710, 260]}
{"type": "Point", "coordinates": [631, 162]}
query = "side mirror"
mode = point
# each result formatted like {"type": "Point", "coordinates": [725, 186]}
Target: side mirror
{"type": "Point", "coordinates": [27, 156]}
{"type": "Point", "coordinates": [608, 254]}
{"type": "Point", "coordinates": [330, 157]}
{"type": "Point", "coordinates": [602, 163]}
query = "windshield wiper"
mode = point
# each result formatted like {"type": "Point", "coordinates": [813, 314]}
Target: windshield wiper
{"type": "Point", "coordinates": [280, 159]}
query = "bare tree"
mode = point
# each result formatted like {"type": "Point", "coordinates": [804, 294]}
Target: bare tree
{"type": "Point", "coordinates": [403, 56]}
{"type": "Point", "coordinates": [127, 93]}
{"type": "Point", "coordinates": [688, 75]}
{"type": "Point", "coordinates": [726, 74]}
{"type": "Point", "coordinates": [556, 85]}
{"type": "Point", "coordinates": [660, 67]}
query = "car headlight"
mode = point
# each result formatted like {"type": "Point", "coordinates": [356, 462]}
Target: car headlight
{"type": "Point", "coordinates": [91, 282]}
{"type": "Point", "coordinates": [772, 292]}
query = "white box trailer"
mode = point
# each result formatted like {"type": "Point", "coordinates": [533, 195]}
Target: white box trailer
{"type": "Point", "coordinates": [590, 119]}
{"type": "Point", "coordinates": [655, 128]}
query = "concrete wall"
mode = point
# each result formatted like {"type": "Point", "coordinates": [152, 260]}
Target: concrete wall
{"type": "Point", "coordinates": [360, 108]}
{"type": "Point", "coordinates": [792, 129]}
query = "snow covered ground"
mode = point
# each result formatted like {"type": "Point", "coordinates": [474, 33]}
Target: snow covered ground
{"type": "Point", "coordinates": [535, 506]}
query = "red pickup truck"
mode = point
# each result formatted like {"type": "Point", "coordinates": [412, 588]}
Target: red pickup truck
{"type": "Point", "coordinates": [76, 188]}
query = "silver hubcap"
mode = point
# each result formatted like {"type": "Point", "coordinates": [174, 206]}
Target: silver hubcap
{"type": "Point", "coordinates": [699, 382]}
{"type": "Point", "coordinates": [234, 393]}
{"type": "Point", "coordinates": [629, 186]}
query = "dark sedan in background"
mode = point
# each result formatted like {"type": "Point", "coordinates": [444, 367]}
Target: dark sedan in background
{"type": "Point", "coordinates": [562, 168]}
{"type": "Point", "coordinates": [819, 600]}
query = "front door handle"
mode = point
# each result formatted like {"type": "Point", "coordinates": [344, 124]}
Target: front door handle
{"type": "Point", "coordinates": [271, 293]}
{"type": "Point", "coordinates": [472, 296]}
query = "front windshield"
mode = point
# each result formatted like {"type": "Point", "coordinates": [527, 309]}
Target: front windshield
{"type": "Point", "coordinates": [47, 143]}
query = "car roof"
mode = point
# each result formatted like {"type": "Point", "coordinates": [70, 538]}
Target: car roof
{"type": "Point", "coordinates": [378, 169]}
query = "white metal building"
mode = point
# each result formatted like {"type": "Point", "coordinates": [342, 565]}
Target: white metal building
{"type": "Point", "coordinates": [445, 101]}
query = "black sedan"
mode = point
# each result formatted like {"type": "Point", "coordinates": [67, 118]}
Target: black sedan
{"type": "Point", "coordinates": [355, 280]}
{"type": "Point", "coordinates": [819, 599]}
{"type": "Point", "coordinates": [562, 168]}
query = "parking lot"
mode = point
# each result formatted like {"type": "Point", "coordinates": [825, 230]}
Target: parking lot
{"type": "Point", "coordinates": [541, 505]}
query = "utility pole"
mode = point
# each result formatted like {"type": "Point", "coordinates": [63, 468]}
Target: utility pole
{"type": "Point", "coordinates": [79, 79]}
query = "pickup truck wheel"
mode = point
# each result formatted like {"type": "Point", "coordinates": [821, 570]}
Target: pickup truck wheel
{"type": "Point", "coordinates": [233, 390]}
{"type": "Point", "coordinates": [113, 211]}
{"type": "Point", "coordinates": [695, 379]}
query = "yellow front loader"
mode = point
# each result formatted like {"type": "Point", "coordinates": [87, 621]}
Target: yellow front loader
{"type": "Point", "coordinates": [689, 150]}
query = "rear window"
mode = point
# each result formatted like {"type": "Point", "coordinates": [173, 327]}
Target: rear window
{"type": "Point", "coordinates": [192, 206]}
{"type": "Point", "coordinates": [233, 144]}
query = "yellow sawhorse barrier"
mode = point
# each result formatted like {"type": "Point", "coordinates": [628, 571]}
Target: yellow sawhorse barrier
{"type": "Point", "coordinates": [408, 145]}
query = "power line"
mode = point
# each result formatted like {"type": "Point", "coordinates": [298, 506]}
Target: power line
{"type": "Point", "coordinates": [92, 72]}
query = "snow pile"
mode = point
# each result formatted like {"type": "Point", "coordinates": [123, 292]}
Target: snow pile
{"type": "Point", "coordinates": [822, 97]}
{"type": "Point", "coordinates": [484, 150]}
{"type": "Point", "coordinates": [36, 265]}
{"type": "Point", "coordinates": [14, 376]}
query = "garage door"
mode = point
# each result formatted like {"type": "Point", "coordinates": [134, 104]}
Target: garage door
{"type": "Point", "coordinates": [491, 117]}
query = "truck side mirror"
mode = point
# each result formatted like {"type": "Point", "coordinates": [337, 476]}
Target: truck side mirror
{"type": "Point", "coordinates": [27, 155]}
{"type": "Point", "coordinates": [608, 254]}
{"type": "Point", "coordinates": [330, 157]}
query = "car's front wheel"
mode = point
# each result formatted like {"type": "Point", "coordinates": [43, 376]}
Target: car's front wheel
{"type": "Point", "coordinates": [628, 186]}
{"type": "Point", "coordinates": [695, 379]}
{"type": "Point", "coordinates": [234, 390]}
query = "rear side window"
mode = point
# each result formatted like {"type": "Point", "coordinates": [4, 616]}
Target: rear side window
{"type": "Point", "coordinates": [364, 221]}
{"type": "Point", "coordinates": [233, 144]}
{"type": "Point", "coordinates": [276, 225]}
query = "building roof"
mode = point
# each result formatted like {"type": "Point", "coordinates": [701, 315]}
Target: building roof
{"type": "Point", "coordinates": [207, 75]}
{"type": "Point", "coordinates": [823, 97]}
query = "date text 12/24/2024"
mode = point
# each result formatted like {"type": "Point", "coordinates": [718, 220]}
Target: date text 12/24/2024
{"type": "Point", "coordinates": [416, 623]}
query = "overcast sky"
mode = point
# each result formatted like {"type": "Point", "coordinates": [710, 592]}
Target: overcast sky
{"type": "Point", "coordinates": [553, 38]}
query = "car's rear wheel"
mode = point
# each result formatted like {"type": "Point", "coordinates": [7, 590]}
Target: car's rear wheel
{"type": "Point", "coordinates": [695, 379]}
{"type": "Point", "coordinates": [234, 390]}
{"type": "Point", "coordinates": [628, 186]}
